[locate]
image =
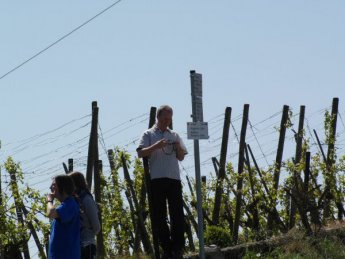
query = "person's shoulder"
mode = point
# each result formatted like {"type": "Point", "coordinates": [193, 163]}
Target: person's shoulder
{"type": "Point", "coordinates": [70, 203]}
{"type": "Point", "coordinates": [150, 131]}
{"type": "Point", "coordinates": [173, 132]}
{"type": "Point", "coordinates": [88, 198]}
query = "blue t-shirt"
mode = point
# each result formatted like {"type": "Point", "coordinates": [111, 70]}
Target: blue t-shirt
{"type": "Point", "coordinates": [64, 240]}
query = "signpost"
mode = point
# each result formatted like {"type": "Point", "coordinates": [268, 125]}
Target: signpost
{"type": "Point", "coordinates": [198, 129]}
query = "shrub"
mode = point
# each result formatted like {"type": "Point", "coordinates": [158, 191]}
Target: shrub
{"type": "Point", "coordinates": [217, 236]}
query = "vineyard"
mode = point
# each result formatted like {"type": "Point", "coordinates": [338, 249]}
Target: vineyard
{"type": "Point", "coordinates": [243, 200]}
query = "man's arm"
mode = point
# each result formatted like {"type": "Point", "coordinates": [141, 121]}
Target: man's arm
{"type": "Point", "coordinates": [146, 151]}
{"type": "Point", "coordinates": [180, 152]}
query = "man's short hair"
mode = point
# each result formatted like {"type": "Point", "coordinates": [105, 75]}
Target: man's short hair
{"type": "Point", "coordinates": [65, 184]}
{"type": "Point", "coordinates": [163, 108]}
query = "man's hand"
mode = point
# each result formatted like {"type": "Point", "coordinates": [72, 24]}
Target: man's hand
{"type": "Point", "coordinates": [144, 152]}
{"type": "Point", "coordinates": [160, 144]}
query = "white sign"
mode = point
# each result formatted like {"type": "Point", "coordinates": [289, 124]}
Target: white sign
{"type": "Point", "coordinates": [197, 130]}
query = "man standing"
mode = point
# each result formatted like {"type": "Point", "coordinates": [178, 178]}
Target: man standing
{"type": "Point", "coordinates": [164, 148]}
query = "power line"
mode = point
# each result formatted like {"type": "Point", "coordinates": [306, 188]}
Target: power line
{"type": "Point", "coordinates": [60, 39]}
{"type": "Point", "coordinates": [257, 141]}
{"type": "Point", "coordinates": [30, 139]}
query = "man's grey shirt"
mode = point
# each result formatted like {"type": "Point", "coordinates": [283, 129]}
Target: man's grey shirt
{"type": "Point", "coordinates": [163, 163]}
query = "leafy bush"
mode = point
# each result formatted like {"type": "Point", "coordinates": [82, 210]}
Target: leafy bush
{"type": "Point", "coordinates": [219, 236]}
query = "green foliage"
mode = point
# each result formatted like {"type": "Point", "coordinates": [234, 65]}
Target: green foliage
{"type": "Point", "coordinates": [14, 234]}
{"type": "Point", "coordinates": [219, 236]}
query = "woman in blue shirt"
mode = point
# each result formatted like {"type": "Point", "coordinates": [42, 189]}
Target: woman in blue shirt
{"type": "Point", "coordinates": [64, 242]}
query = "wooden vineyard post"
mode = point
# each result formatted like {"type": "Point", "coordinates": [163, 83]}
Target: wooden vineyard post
{"type": "Point", "coordinates": [98, 198]}
{"type": "Point", "coordinates": [68, 169]}
{"type": "Point", "coordinates": [330, 193]}
{"type": "Point", "coordinates": [93, 145]}
{"type": "Point", "coordinates": [34, 234]}
{"type": "Point", "coordinates": [116, 194]}
{"type": "Point", "coordinates": [278, 162]}
{"type": "Point", "coordinates": [65, 168]}
{"type": "Point", "coordinates": [320, 146]}
{"type": "Point", "coordinates": [268, 198]}
{"type": "Point", "coordinates": [256, 223]}
{"type": "Point", "coordinates": [70, 165]}
{"type": "Point", "coordinates": [330, 177]}
{"type": "Point", "coordinates": [215, 166]}
{"type": "Point", "coordinates": [19, 204]}
{"type": "Point", "coordinates": [141, 223]}
{"type": "Point", "coordinates": [148, 190]}
{"type": "Point", "coordinates": [298, 156]}
{"type": "Point", "coordinates": [240, 171]}
{"type": "Point", "coordinates": [301, 199]}
{"type": "Point", "coordinates": [221, 171]}
{"type": "Point", "coordinates": [190, 216]}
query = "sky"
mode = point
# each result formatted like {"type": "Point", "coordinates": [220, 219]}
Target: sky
{"type": "Point", "coordinates": [139, 54]}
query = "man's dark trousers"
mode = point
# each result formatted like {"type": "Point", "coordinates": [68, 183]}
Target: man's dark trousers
{"type": "Point", "coordinates": [163, 190]}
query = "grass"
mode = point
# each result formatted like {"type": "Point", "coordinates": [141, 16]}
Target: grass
{"type": "Point", "coordinates": [316, 247]}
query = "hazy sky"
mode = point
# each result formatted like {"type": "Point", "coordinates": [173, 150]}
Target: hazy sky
{"type": "Point", "coordinates": [138, 54]}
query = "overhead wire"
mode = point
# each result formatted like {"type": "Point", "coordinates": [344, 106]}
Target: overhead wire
{"type": "Point", "coordinates": [60, 39]}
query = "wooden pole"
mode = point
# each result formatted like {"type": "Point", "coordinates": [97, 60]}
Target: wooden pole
{"type": "Point", "coordinates": [204, 202]}
{"type": "Point", "coordinates": [189, 234]}
{"type": "Point", "coordinates": [34, 234]}
{"type": "Point", "coordinates": [70, 165]}
{"type": "Point", "coordinates": [93, 145]}
{"type": "Point", "coordinates": [148, 190]}
{"type": "Point", "coordinates": [278, 162]}
{"type": "Point", "coordinates": [141, 223]}
{"type": "Point", "coordinates": [271, 207]}
{"type": "Point", "coordinates": [98, 198]}
{"type": "Point", "coordinates": [330, 175]}
{"type": "Point", "coordinates": [298, 156]}
{"type": "Point", "coordinates": [116, 194]}
{"type": "Point", "coordinates": [190, 216]}
{"type": "Point", "coordinates": [320, 146]}
{"type": "Point", "coordinates": [301, 199]}
{"type": "Point", "coordinates": [240, 171]}
{"type": "Point", "coordinates": [137, 237]}
{"type": "Point", "coordinates": [190, 188]}
{"type": "Point", "coordinates": [280, 149]}
{"type": "Point", "coordinates": [325, 193]}
{"type": "Point", "coordinates": [256, 223]}
{"type": "Point", "coordinates": [221, 175]}
{"type": "Point", "coordinates": [215, 166]}
{"type": "Point", "coordinates": [65, 168]}
{"type": "Point", "coordinates": [19, 205]}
